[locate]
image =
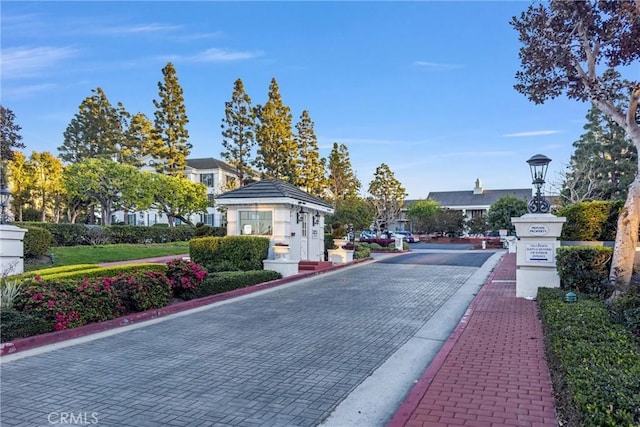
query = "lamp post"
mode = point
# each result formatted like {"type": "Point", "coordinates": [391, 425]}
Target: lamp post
{"type": "Point", "coordinates": [4, 200]}
{"type": "Point", "coordinates": [538, 165]}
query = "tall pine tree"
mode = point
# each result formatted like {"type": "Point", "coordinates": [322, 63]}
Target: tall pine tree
{"type": "Point", "coordinates": [172, 148]}
{"type": "Point", "coordinates": [343, 182]}
{"type": "Point", "coordinates": [311, 175]}
{"type": "Point", "coordinates": [238, 137]}
{"type": "Point", "coordinates": [9, 139]}
{"type": "Point", "coordinates": [277, 150]}
{"type": "Point", "coordinates": [94, 132]}
{"type": "Point", "coordinates": [604, 162]}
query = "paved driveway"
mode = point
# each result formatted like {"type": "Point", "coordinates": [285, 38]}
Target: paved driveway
{"type": "Point", "coordinates": [286, 356]}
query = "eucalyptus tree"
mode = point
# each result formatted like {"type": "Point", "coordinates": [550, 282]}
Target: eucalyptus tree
{"type": "Point", "coordinates": [175, 196]}
{"type": "Point", "coordinates": [104, 182]}
{"type": "Point", "coordinates": [387, 196]}
{"type": "Point", "coordinates": [172, 146]}
{"type": "Point", "coordinates": [238, 136]}
{"type": "Point", "coordinates": [277, 151]}
{"type": "Point", "coordinates": [575, 48]}
{"type": "Point", "coordinates": [311, 175]}
{"type": "Point", "coordinates": [342, 181]}
{"type": "Point", "coordinates": [46, 174]}
{"type": "Point", "coordinates": [19, 182]}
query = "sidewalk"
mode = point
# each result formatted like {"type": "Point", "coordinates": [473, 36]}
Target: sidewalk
{"type": "Point", "coordinates": [492, 370]}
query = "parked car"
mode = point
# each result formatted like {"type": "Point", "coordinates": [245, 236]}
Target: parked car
{"type": "Point", "coordinates": [406, 235]}
{"type": "Point", "coordinates": [367, 234]}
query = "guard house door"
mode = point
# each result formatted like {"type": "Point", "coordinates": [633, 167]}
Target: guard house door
{"type": "Point", "coordinates": [304, 237]}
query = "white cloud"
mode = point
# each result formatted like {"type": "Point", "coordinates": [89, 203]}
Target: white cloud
{"type": "Point", "coordinates": [19, 92]}
{"type": "Point", "coordinates": [138, 29]}
{"type": "Point", "coordinates": [32, 61]}
{"type": "Point", "coordinates": [221, 55]}
{"type": "Point", "coordinates": [216, 55]}
{"type": "Point", "coordinates": [531, 133]}
{"type": "Point", "coordinates": [436, 65]}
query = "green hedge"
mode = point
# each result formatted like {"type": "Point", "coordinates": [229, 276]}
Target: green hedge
{"type": "Point", "coordinates": [594, 362]}
{"type": "Point", "coordinates": [585, 269]}
{"type": "Point", "coordinates": [37, 241]}
{"type": "Point", "coordinates": [98, 272]}
{"type": "Point", "coordinates": [55, 270]}
{"type": "Point", "coordinates": [17, 324]}
{"type": "Point", "coordinates": [216, 283]}
{"type": "Point", "coordinates": [81, 234]}
{"type": "Point", "coordinates": [242, 253]}
{"type": "Point", "coordinates": [596, 220]}
{"type": "Point", "coordinates": [62, 234]}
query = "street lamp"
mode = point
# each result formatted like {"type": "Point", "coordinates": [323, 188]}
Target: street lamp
{"type": "Point", "coordinates": [4, 200]}
{"type": "Point", "coordinates": [538, 165]}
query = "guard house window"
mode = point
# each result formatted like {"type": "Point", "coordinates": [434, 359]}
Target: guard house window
{"type": "Point", "coordinates": [207, 179]}
{"type": "Point", "coordinates": [304, 225]}
{"type": "Point", "coordinates": [256, 223]}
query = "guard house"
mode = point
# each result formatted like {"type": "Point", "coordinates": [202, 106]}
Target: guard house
{"type": "Point", "coordinates": [280, 211]}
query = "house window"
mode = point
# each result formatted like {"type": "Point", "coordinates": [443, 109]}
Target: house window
{"type": "Point", "coordinates": [207, 219]}
{"type": "Point", "coordinates": [207, 179]}
{"type": "Point", "coordinates": [256, 223]}
{"type": "Point", "coordinates": [210, 199]}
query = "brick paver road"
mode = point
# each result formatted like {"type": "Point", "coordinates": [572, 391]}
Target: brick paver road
{"type": "Point", "coordinates": [284, 357]}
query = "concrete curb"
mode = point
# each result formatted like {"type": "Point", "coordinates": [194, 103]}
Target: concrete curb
{"type": "Point", "coordinates": [29, 343]}
{"type": "Point", "coordinates": [417, 392]}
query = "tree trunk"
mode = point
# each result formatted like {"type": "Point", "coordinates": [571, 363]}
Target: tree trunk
{"type": "Point", "coordinates": [626, 240]}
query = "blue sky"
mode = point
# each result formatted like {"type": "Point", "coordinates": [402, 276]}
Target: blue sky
{"type": "Point", "coordinates": [425, 87]}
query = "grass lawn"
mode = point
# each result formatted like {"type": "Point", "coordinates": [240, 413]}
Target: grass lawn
{"type": "Point", "coordinates": [69, 255]}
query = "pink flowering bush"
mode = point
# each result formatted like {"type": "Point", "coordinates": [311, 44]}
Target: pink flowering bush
{"type": "Point", "coordinates": [68, 304]}
{"type": "Point", "coordinates": [142, 291]}
{"type": "Point", "coordinates": [184, 276]}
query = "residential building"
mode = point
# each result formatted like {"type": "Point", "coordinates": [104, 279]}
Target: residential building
{"type": "Point", "coordinates": [215, 174]}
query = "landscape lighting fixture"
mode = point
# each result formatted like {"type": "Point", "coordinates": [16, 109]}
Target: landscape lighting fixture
{"type": "Point", "coordinates": [538, 165]}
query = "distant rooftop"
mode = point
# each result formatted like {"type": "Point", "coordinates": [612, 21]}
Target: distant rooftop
{"type": "Point", "coordinates": [209, 163]}
{"type": "Point", "coordinates": [478, 196]}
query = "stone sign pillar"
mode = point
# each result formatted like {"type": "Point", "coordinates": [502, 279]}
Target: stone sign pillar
{"type": "Point", "coordinates": [536, 253]}
{"type": "Point", "coordinates": [11, 249]}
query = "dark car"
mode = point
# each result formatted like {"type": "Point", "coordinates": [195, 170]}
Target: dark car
{"type": "Point", "coordinates": [407, 236]}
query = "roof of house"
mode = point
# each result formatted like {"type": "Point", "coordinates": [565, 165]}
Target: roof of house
{"type": "Point", "coordinates": [270, 189]}
{"type": "Point", "coordinates": [209, 163]}
{"type": "Point", "coordinates": [468, 198]}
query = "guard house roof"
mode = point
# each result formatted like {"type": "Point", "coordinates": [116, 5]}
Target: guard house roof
{"type": "Point", "coordinates": [468, 198]}
{"type": "Point", "coordinates": [272, 189]}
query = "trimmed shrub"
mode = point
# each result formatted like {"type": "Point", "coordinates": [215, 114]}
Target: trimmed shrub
{"type": "Point", "coordinates": [626, 310]}
{"type": "Point", "coordinates": [62, 234]}
{"type": "Point", "coordinates": [203, 230]}
{"type": "Point", "coordinates": [588, 221]}
{"type": "Point", "coordinates": [99, 272]}
{"type": "Point", "coordinates": [585, 269]}
{"type": "Point", "coordinates": [243, 252]}
{"type": "Point", "coordinates": [184, 276]}
{"type": "Point", "coordinates": [141, 234]}
{"type": "Point", "coordinates": [37, 241]}
{"type": "Point", "coordinates": [55, 270]}
{"type": "Point", "coordinates": [67, 304]}
{"type": "Point", "coordinates": [382, 242]}
{"type": "Point", "coordinates": [216, 283]}
{"type": "Point", "coordinates": [141, 291]}
{"type": "Point", "coordinates": [18, 324]}
{"type": "Point", "coordinates": [361, 251]}
{"type": "Point", "coordinates": [595, 363]}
